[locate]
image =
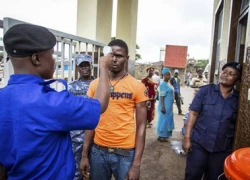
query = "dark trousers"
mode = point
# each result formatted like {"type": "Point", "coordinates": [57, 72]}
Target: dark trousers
{"type": "Point", "coordinates": [178, 102]}
{"type": "Point", "coordinates": [3, 174]}
{"type": "Point", "coordinates": [201, 163]}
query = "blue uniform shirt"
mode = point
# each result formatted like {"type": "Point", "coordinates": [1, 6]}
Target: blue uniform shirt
{"type": "Point", "coordinates": [35, 121]}
{"type": "Point", "coordinates": [215, 125]}
{"type": "Point", "coordinates": [79, 87]}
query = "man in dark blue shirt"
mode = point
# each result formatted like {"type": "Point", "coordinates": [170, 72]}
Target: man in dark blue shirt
{"type": "Point", "coordinates": [211, 125]}
{"type": "Point", "coordinates": [175, 81]}
{"type": "Point", "coordinates": [35, 120]}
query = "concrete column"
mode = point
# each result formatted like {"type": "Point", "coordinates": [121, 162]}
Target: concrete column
{"type": "Point", "coordinates": [225, 30]}
{"type": "Point", "coordinates": [235, 11]}
{"type": "Point", "coordinates": [219, 55]}
{"type": "Point", "coordinates": [126, 27]}
{"type": "Point", "coordinates": [94, 19]}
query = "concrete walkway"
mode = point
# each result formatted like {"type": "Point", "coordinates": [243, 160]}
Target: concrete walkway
{"type": "Point", "coordinates": [160, 161]}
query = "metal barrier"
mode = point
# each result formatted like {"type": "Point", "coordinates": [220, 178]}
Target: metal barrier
{"type": "Point", "coordinates": [66, 49]}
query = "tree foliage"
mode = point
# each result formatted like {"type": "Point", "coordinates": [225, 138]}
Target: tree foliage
{"type": "Point", "coordinates": [193, 64]}
{"type": "Point", "coordinates": [201, 63]}
{"type": "Point", "coordinates": [137, 55]}
{"type": "Point", "coordinates": [1, 56]}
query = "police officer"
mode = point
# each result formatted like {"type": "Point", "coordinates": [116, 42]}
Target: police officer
{"type": "Point", "coordinates": [212, 122]}
{"type": "Point", "coordinates": [80, 88]}
{"type": "Point", "coordinates": [198, 81]}
{"type": "Point", "coordinates": [84, 66]}
{"type": "Point", "coordinates": [35, 120]}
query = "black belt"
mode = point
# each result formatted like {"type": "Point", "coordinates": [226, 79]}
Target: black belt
{"type": "Point", "coordinates": [120, 151]}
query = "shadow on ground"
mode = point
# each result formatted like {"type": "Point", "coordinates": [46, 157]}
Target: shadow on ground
{"type": "Point", "coordinates": [160, 161]}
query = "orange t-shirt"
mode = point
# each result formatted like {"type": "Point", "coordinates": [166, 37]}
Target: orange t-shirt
{"type": "Point", "coordinates": [117, 124]}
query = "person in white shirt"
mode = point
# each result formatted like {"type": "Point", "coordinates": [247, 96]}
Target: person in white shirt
{"type": "Point", "coordinates": [156, 77]}
{"type": "Point", "coordinates": [198, 81]}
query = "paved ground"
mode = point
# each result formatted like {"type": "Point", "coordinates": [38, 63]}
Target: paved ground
{"type": "Point", "coordinates": [160, 161]}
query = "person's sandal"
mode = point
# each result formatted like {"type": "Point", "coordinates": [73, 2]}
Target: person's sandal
{"type": "Point", "coordinates": [161, 139]}
{"type": "Point", "coordinates": [165, 140]}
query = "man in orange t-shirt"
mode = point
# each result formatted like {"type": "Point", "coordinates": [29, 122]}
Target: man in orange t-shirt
{"type": "Point", "coordinates": [119, 138]}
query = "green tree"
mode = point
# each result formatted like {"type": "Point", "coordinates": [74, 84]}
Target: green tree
{"type": "Point", "coordinates": [201, 63]}
{"type": "Point", "coordinates": [1, 55]}
{"type": "Point", "coordinates": [137, 55]}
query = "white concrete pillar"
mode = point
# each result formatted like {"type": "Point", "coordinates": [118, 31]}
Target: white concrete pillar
{"type": "Point", "coordinates": [225, 30]}
{"type": "Point", "coordinates": [126, 27]}
{"type": "Point", "coordinates": [94, 19]}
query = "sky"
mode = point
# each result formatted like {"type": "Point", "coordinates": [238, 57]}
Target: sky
{"type": "Point", "coordinates": [55, 14]}
{"type": "Point", "coordinates": [174, 22]}
{"type": "Point", "coordinates": [160, 22]}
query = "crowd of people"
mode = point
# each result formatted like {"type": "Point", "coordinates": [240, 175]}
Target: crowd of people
{"type": "Point", "coordinates": [211, 121]}
{"type": "Point", "coordinates": [95, 128]}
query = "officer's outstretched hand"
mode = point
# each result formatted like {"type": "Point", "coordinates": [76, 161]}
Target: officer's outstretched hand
{"type": "Point", "coordinates": [84, 168]}
{"type": "Point", "coordinates": [105, 61]}
{"type": "Point", "coordinates": [186, 144]}
{"type": "Point", "coordinates": [102, 91]}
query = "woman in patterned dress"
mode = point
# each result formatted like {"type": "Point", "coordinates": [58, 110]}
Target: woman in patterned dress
{"type": "Point", "coordinates": [151, 86]}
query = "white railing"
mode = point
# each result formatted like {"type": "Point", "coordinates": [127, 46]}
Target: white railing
{"type": "Point", "coordinates": [66, 49]}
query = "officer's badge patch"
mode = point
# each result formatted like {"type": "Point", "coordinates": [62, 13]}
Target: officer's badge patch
{"type": "Point", "coordinates": [238, 66]}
